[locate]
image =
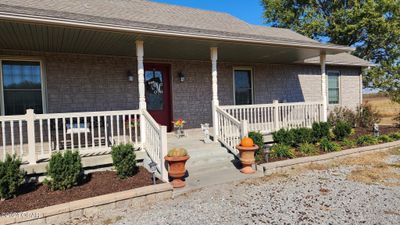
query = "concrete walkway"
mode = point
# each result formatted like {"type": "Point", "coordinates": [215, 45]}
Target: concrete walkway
{"type": "Point", "coordinates": [209, 164]}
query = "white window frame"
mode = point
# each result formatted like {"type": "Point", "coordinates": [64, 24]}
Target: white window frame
{"type": "Point", "coordinates": [42, 77]}
{"type": "Point", "coordinates": [339, 75]}
{"type": "Point", "coordinates": [248, 68]}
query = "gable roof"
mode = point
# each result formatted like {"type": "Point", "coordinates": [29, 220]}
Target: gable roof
{"type": "Point", "coordinates": [153, 16]}
{"type": "Point", "coordinates": [340, 59]}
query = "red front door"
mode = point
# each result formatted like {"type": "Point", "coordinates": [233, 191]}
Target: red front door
{"type": "Point", "coordinates": [158, 92]}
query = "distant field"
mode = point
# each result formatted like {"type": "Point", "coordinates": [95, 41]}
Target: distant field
{"type": "Point", "coordinates": [384, 106]}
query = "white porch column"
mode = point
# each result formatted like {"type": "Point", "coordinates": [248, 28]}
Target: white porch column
{"type": "Point", "coordinates": [323, 87]}
{"type": "Point", "coordinates": [215, 101]}
{"type": "Point", "coordinates": [140, 68]}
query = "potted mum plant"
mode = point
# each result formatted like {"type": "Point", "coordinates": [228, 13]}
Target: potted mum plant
{"type": "Point", "coordinates": [178, 127]}
{"type": "Point", "coordinates": [177, 158]}
{"type": "Point", "coordinates": [247, 149]}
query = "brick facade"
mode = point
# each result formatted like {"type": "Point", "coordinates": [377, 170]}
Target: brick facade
{"type": "Point", "coordinates": [95, 83]}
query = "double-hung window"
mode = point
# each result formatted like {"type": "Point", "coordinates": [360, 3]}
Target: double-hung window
{"type": "Point", "coordinates": [21, 87]}
{"type": "Point", "coordinates": [243, 91]}
{"type": "Point", "coordinates": [333, 87]}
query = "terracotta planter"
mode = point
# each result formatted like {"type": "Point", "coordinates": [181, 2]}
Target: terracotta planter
{"type": "Point", "coordinates": [247, 158]}
{"type": "Point", "coordinates": [177, 170]}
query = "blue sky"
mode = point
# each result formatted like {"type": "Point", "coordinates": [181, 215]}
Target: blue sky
{"type": "Point", "coordinates": [248, 10]}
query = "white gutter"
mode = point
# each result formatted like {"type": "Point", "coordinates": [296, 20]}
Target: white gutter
{"type": "Point", "coordinates": [118, 28]}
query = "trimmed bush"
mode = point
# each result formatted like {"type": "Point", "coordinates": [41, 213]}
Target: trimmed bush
{"type": "Point", "coordinates": [365, 140]}
{"type": "Point", "coordinates": [395, 136]}
{"type": "Point", "coordinates": [341, 114]}
{"type": "Point", "coordinates": [321, 130]}
{"type": "Point", "coordinates": [281, 151]}
{"type": "Point", "coordinates": [308, 149]}
{"type": "Point", "coordinates": [258, 139]}
{"type": "Point", "coordinates": [342, 130]}
{"type": "Point", "coordinates": [349, 143]}
{"type": "Point", "coordinates": [11, 177]}
{"type": "Point", "coordinates": [302, 135]}
{"type": "Point", "coordinates": [385, 138]}
{"type": "Point", "coordinates": [366, 116]}
{"type": "Point", "coordinates": [284, 136]}
{"type": "Point", "coordinates": [328, 146]}
{"type": "Point", "coordinates": [124, 160]}
{"type": "Point", "coordinates": [65, 170]}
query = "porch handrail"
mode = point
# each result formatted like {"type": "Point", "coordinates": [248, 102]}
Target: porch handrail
{"type": "Point", "coordinates": [230, 130]}
{"type": "Point", "coordinates": [269, 118]}
{"type": "Point", "coordinates": [156, 143]}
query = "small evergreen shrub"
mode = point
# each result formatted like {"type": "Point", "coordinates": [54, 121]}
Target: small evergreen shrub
{"type": "Point", "coordinates": [11, 177]}
{"type": "Point", "coordinates": [367, 140]}
{"type": "Point", "coordinates": [281, 151]}
{"type": "Point", "coordinates": [341, 114]}
{"type": "Point", "coordinates": [124, 160]}
{"type": "Point", "coordinates": [366, 116]}
{"type": "Point", "coordinates": [302, 135]}
{"type": "Point", "coordinates": [258, 139]}
{"type": "Point", "coordinates": [284, 136]}
{"type": "Point", "coordinates": [395, 136]}
{"type": "Point", "coordinates": [328, 146]}
{"type": "Point", "coordinates": [385, 138]}
{"type": "Point", "coordinates": [348, 143]}
{"type": "Point", "coordinates": [65, 170]}
{"type": "Point", "coordinates": [308, 149]}
{"type": "Point", "coordinates": [342, 130]}
{"type": "Point", "coordinates": [320, 130]}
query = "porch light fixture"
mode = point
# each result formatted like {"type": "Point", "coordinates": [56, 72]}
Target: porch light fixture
{"type": "Point", "coordinates": [181, 77]}
{"type": "Point", "coordinates": [130, 76]}
{"type": "Point", "coordinates": [153, 168]}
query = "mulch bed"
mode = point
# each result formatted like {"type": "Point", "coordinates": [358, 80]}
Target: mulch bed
{"type": "Point", "coordinates": [359, 131]}
{"type": "Point", "coordinates": [97, 183]}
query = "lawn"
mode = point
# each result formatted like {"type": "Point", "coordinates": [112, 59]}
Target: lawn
{"type": "Point", "coordinates": [387, 109]}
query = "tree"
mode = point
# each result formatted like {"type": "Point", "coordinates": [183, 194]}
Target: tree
{"type": "Point", "coordinates": [372, 26]}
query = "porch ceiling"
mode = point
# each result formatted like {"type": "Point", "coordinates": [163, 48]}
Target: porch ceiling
{"type": "Point", "coordinates": [47, 38]}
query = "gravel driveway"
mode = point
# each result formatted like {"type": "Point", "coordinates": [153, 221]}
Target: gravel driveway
{"type": "Point", "coordinates": [360, 190]}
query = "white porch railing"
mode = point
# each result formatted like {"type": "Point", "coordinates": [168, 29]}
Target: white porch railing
{"type": "Point", "coordinates": [230, 131]}
{"type": "Point", "coordinates": [34, 137]}
{"type": "Point", "coordinates": [156, 143]}
{"type": "Point", "coordinates": [268, 118]}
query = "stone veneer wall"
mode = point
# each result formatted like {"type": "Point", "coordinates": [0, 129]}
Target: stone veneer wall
{"type": "Point", "coordinates": [96, 83]}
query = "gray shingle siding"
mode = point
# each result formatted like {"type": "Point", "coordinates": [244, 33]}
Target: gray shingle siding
{"type": "Point", "coordinates": [97, 83]}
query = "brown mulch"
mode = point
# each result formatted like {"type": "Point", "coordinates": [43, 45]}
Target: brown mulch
{"type": "Point", "coordinates": [97, 183]}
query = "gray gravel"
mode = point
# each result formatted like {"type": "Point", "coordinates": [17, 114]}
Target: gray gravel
{"type": "Point", "coordinates": [308, 197]}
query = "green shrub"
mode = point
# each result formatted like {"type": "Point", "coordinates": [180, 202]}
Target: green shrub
{"type": "Point", "coordinates": [385, 138]}
{"type": "Point", "coordinates": [366, 116]}
{"type": "Point", "coordinates": [320, 130]}
{"type": "Point", "coordinates": [11, 177]}
{"type": "Point", "coordinates": [395, 136]}
{"type": "Point", "coordinates": [308, 149]}
{"type": "Point", "coordinates": [281, 151]}
{"type": "Point", "coordinates": [342, 130]}
{"type": "Point", "coordinates": [328, 146]}
{"type": "Point", "coordinates": [284, 136]}
{"type": "Point", "coordinates": [65, 170]}
{"type": "Point", "coordinates": [258, 139]}
{"type": "Point", "coordinates": [302, 135]}
{"type": "Point", "coordinates": [341, 114]}
{"type": "Point", "coordinates": [124, 160]}
{"type": "Point", "coordinates": [367, 140]}
{"type": "Point", "coordinates": [348, 143]}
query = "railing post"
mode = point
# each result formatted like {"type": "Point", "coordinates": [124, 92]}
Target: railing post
{"type": "Point", "coordinates": [244, 130]}
{"type": "Point", "coordinates": [30, 121]}
{"type": "Point", "coordinates": [276, 114]}
{"type": "Point", "coordinates": [163, 152]}
{"type": "Point", "coordinates": [142, 128]}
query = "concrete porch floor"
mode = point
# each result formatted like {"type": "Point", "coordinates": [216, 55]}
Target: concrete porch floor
{"type": "Point", "coordinates": [209, 164]}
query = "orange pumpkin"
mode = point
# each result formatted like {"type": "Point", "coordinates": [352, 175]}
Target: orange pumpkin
{"type": "Point", "coordinates": [247, 142]}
